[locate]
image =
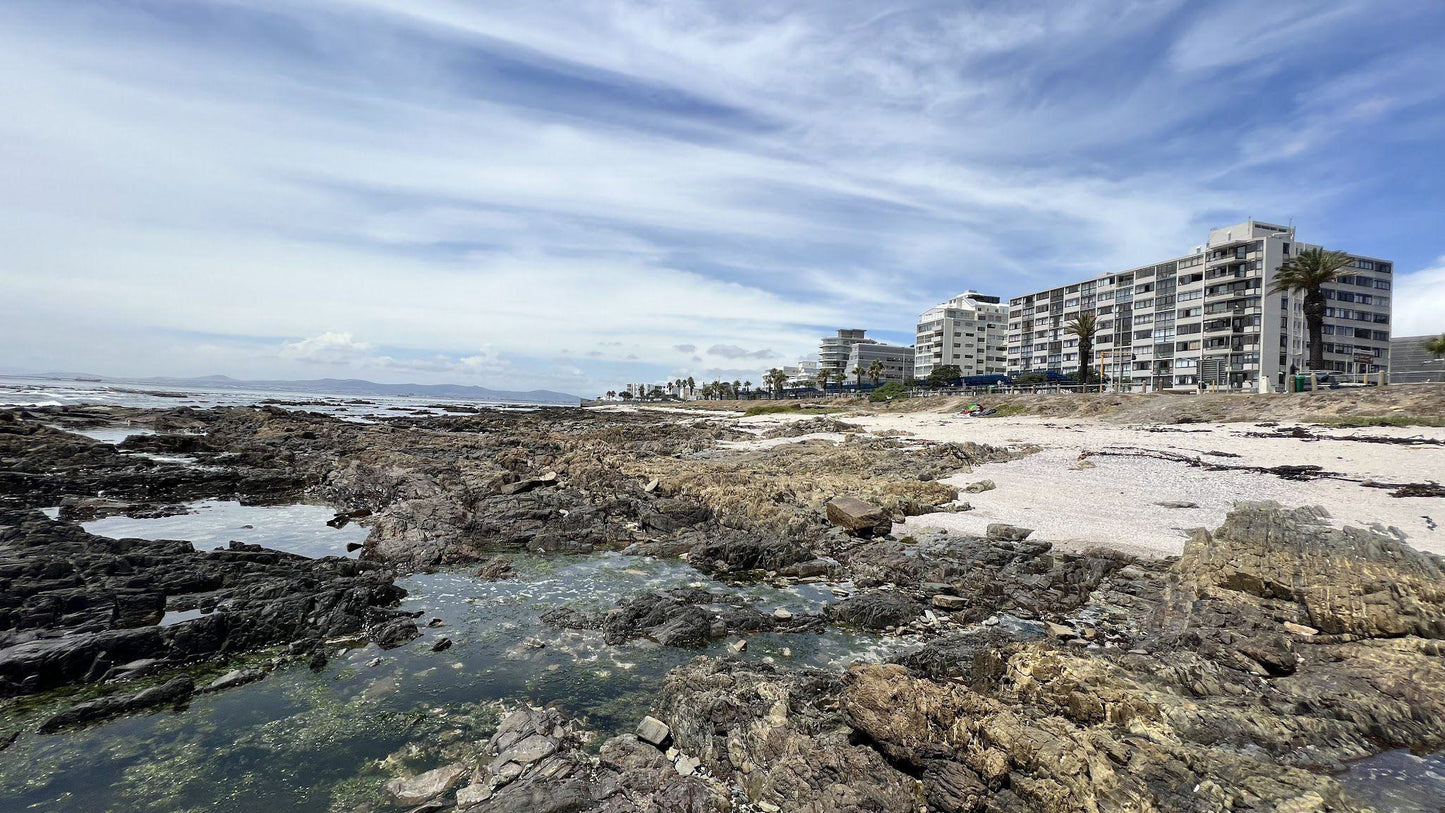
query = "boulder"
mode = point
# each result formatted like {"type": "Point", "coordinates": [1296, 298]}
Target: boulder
{"type": "Point", "coordinates": [943, 601]}
{"type": "Point", "coordinates": [496, 568]}
{"type": "Point", "coordinates": [1004, 532]}
{"type": "Point", "coordinates": [473, 794]}
{"type": "Point", "coordinates": [425, 787]}
{"type": "Point", "coordinates": [858, 517]}
{"type": "Point", "coordinates": [888, 608]}
{"type": "Point", "coordinates": [394, 633]}
{"type": "Point", "coordinates": [653, 731]}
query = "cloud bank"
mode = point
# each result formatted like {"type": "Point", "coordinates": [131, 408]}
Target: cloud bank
{"type": "Point", "coordinates": [592, 191]}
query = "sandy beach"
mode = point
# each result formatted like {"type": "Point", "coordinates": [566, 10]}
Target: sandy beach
{"type": "Point", "coordinates": [1110, 496]}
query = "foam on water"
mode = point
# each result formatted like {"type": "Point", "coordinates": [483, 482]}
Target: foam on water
{"type": "Point", "coordinates": [1399, 781]}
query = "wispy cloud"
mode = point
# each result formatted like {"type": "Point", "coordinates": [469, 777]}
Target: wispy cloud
{"type": "Point", "coordinates": [383, 186]}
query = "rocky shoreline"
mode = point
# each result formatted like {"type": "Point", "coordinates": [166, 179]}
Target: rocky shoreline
{"type": "Point", "coordinates": [1243, 674]}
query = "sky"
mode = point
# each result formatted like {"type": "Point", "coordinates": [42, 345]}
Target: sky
{"type": "Point", "coordinates": [576, 195]}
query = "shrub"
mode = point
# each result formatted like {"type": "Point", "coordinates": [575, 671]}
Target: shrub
{"type": "Point", "coordinates": [888, 392]}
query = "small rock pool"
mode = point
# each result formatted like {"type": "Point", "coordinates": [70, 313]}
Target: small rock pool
{"type": "Point", "coordinates": [210, 524]}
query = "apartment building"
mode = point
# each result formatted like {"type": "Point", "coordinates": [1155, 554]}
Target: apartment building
{"type": "Point", "coordinates": [1206, 318]}
{"type": "Point", "coordinates": [969, 330]}
{"type": "Point", "coordinates": [896, 360]}
{"type": "Point", "coordinates": [833, 351]}
{"type": "Point", "coordinates": [802, 374]}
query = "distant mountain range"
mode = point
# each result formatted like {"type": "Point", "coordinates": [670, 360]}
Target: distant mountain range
{"type": "Point", "coordinates": [335, 386]}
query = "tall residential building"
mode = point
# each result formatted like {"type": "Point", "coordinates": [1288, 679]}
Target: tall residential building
{"type": "Point", "coordinates": [833, 350]}
{"type": "Point", "coordinates": [896, 360]}
{"type": "Point", "coordinates": [969, 330]}
{"type": "Point", "coordinates": [1411, 363]}
{"type": "Point", "coordinates": [1206, 318]}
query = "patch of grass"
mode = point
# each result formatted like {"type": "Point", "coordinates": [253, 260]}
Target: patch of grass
{"type": "Point", "coordinates": [775, 409]}
{"type": "Point", "coordinates": [772, 409]}
{"type": "Point", "coordinates": [1360, 421]}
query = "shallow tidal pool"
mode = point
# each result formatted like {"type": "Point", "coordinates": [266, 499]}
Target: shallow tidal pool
{"type": "Point", "coordinates": [326, 740]}
{"type": "Point", "coordinates": [211, 524]}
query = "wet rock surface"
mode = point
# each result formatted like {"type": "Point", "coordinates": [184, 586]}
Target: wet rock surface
{"type": "Point", "coordinates": [79, 608]}
{"type": "Point", "coordinates": [537, 761]}
{"type": "Point", "coordinates": [684, 617]}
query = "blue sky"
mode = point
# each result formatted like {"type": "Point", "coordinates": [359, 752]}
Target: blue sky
{"type": "Point", "coordinates": [576, 195]}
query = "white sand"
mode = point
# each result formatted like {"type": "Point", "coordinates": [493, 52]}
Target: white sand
{"type": "Point", "coordinates": [1113, 503]}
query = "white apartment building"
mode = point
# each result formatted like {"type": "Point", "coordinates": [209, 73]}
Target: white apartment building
{"type": "Point", "coordinates": [896, 360]}
{"type": "Point", "coordinates": [969, 330]}
{"type": "Point", "coordinates": [1206, 318]}
{"type": "Point", "coordinates": [833, 350]}
{"type": "Point", "coordinates": [802, 374]}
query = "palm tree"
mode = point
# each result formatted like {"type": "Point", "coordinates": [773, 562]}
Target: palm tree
{"type": "Point", "coordinates": [691, 385]}
{"type": "Point", "coordinates": [823, 377]}
{"type": "Point", "coordinates": [875, 371]}
{"type": "Point", "coordinates": [1085, 325]}
{"type": "Point", "coordinates": [1307, 272]}
{"type": "Point", "coordinates": [777, 380]}
{"type": "Point", "coordinates": [1436, 346]}
{"type": "Point", "coordinates": [839, 377]}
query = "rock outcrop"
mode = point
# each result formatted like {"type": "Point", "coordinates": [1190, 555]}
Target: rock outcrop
{"type": "Point", "coordinates": [1239, 677]}
{"type": "Point", "coordinates": [536, 762]}
{"type": "Point", "coordinates": [682, 617]}
{"type": "Point", "coordinates": [79, 608]}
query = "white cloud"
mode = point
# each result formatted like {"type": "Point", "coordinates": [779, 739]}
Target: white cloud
{"type": "Point", "coordinates": [652, 178]}
{"type": "Point", "coordinates": [1419, 302]}
{"type": "Point", "coordinates": [327, 348]}
{"type": "Point", "coordinates": [732, 351]}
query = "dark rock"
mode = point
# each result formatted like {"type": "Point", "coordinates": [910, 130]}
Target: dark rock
{"type": "Point", "coordinates": [523, 486]}
{"type": "Point", "coordinates": [78, 608]}
{"type": "Point", "coordinates": [393, 633]}
{"type": "Point", "coordinates": [174, 693]}
{"type": "Point", "coordinates": [497, 568]}
{"type": "Point", "coordinates": [876, 610]}
{"type": "Point", "coordinates": [680, 617]}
